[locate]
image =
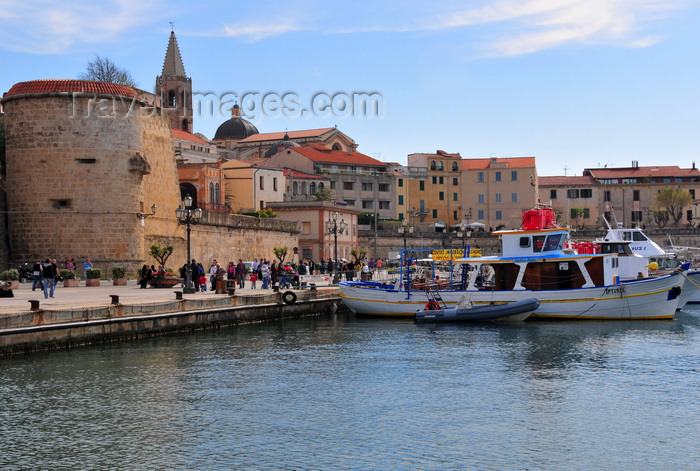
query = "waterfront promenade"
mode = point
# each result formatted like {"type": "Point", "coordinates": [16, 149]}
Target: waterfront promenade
{"type": "Point", "coordinates": [83, 314]}
{"type": "Point", "coordinates": [100, 296]}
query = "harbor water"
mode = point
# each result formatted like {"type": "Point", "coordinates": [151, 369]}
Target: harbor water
{"type": "Point", "coordinates": [340, 392]}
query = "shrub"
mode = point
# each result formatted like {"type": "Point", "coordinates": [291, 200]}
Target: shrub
{"type": "Point", "coordinates": [67, 274]}
{"type": "Point", "coordinates": [119, 272]}
{"type": "Point", "coordinates": [93, 273]}
{"type": "Point", "coordinates": [11, 274]}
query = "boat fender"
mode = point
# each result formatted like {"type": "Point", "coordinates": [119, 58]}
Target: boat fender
{"type": "Point", "coordinates": [431, 306]}
{"type": "Point", "coordinates": [289, 297]}
{"type": "Point", "coordinates": [674, 293]}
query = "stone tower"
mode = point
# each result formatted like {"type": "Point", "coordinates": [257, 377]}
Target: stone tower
{"type": "Point", "coordinates": [174, 88]}
{"type": "Point", "coordinates": [87, 158]}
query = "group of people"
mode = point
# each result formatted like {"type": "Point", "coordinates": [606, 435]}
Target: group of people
{"type": "Point", "coordinates": [45, 276]}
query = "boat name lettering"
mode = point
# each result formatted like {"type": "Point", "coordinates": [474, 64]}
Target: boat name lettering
{"type": "Point", "coordinates": [611, 290]}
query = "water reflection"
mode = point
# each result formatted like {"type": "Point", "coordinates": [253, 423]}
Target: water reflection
{"type": "Point", "coordinates": [346, 393]}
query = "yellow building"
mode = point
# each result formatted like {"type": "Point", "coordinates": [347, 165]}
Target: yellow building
{"type": "Point", "coordinates": [434, 188]}
{"type": "Point", "coordinates": [496, 190]}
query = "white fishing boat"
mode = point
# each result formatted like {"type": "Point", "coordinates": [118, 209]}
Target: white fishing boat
{"type": "Point", "coordinates": [658, 260]}
{"type": "Point", "coordinates": [535, 263]}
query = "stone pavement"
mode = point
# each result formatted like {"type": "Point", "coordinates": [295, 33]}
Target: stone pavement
{"type": "Point", "coordinates": [99, 296]}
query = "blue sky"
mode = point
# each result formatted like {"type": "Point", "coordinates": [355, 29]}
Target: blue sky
{"type": "Point", "coordinates": [575, 83]}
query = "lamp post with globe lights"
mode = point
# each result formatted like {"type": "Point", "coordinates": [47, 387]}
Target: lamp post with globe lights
{"type": "Point", "coordinates": [186, 216]}
{"type": "Point", "coordinates": [405, 229]}
{"type": "Point", "coordinates": [333, 226]}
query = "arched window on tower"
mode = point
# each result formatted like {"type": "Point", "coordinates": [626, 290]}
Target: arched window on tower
{"type": "Point", "coordinates": [432, 165]}
{"type": "Point", "coordinates": [440, 165]}
{"type": "Point", "coordinates": [211, 193]}
{"type": "Point", "coordinates": [172, 98]}
{"type": "Point", "coordinates": [454, 166]}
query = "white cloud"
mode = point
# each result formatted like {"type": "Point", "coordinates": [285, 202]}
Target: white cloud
{"type": "Point", "coordinates": [50, 27]}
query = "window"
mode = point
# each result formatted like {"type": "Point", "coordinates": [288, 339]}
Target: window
{"type": "Point", "coordinates": [432, 165]}
{"type": "Point", "coordinates": [422, 206]}
{"type": "Point", "coordinates": [636, 216]}
{"type": "Point", "coordinates": [498, 176]}
{"type": "Point", "coordinates": [421, 185]}
{"type": "Point", "coordinates": [552, 194]}
{"type": "Point", "coordinates": [367, 186]}
{"type": "Point", "coordinates": [400, 200]}
{"type": "Point", "coordinates": [513, 197]}
{"type": "Point", "coordinates": [692, 193]}
{"type": "Point", "coordinates": [606, 195]}
{"type": "Point", "coordinates": [455, 181]}
{"type": "Point", "coordinates": [434, 180]}
{"type": "Point", "coordinates": [384, 187]}
{"type": "Point", "coordinates": [441, 196]}
{"type": "Point", "coordinates": [348, 185]}
{"type": "Point", "coordinates": [384, 205]}
{"type": "Point", "coordinates": [480, 177]}
{"type": "Point", "coordinates": [262, 182]}
{"type": "Point", "coordinates": [454, 215]}
{"type": "Point", "coordinates": [303, 188]}
{"type": "Point", "coordinates": [586, 213]}
{"type": "Point", "coordinates": [333, 184]}
{"type": "Point", "coordinates": [499, 215]}
{"type": "Point", "coordinates": [498, 197]}
{"type": "Point", "coordinates": [312, 188]}
{"type": "Point", "coordinates": [400, 216]}
{"type": "Point", "coordinates": [482, 198]}
{"type": "Point", "coordinates": [454, 166]}
{"type": "Point", "coordinates": [455, 196]}
{"type": "Point", "coordinates": [440, 167]}
{"type": "Point", "coordinates": [441, 180]}
{"type": "Point", "coordinates": [295, 188]}
{"type": "Point", "coordinates": [480, 214]}
{"type": "Point", "coordinates": [367, 204]}
{"type": "Point", "coordinates": [435, 213]}
{"type": "Point", "coordinates": [350, 202]}
{"type": "Point", "coordinates": [586, 193]}
{"type": "Point", "coordinates": [514, 175]}
{"type": "Point", "coordinates": [211, 193]}
{"type": "Point", "coordinates": [525, 242]}
{"type": "Point", "coordinates": [274, 184]}
{"type": "Point", "coordinates": [635, 195]}
{"type": "Point", "coordinates": [400, 182]}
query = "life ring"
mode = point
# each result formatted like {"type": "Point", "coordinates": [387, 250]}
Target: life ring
{"type": "Point", "coordinates": [431, 306]}
{"type": "Point", "coordinates": [289, 297]}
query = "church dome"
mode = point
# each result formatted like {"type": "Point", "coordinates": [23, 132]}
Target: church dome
{"type": "Point", "coordinates": [236, 127]}
{"type": "Point", "coordinates": [284, 143]}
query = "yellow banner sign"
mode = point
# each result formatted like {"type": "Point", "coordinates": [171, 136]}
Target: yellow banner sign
{"type": "Point", "coordinates": [447, 254]}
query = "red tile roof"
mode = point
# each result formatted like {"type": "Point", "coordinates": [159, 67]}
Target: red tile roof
{"type": "Point", "coordinates": [69, 86]}
{"type": "Point", "coordinates": [511, 162]}
{"type": "Point", "coordinates": [642, 172]}
{"type": "Point", "coordinates": [278, 136]}
{"type": "Point", "coordinates": [336, 156]}
{"type": "Point", "coordinates": [188, 136]}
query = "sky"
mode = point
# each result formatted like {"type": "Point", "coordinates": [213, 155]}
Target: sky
{"type": "Point", "coordinates": [575, 83]}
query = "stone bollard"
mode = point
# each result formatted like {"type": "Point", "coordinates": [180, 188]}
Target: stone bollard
{"type": "Point", "coordinates": [178, 295]}
{"type": "Point", "coordinates": [115, 298]}
{"type": "Point", "coordinates": [34, 304]}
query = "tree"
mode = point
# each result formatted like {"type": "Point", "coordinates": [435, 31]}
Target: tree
{"type": "Point", "coordinates": [673, 200]}
{"type": "Point", "coordinates": [660, 217]}
{"type": "Point", "coordinates": [577, 215]}
{"type": "Point", "coordinates": [323, 194]}
{"type": "Point", "coordinates": [280, 253]}
{"type": "Point", "coordinates": [104, 70]}
{"type": "Point", "coordinates": [161, 253]}
{"type": "Point", "coordinates": [359, 253]}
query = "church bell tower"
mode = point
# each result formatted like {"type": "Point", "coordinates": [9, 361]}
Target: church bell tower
{"type": "Point", "coordinates": [174, 88]}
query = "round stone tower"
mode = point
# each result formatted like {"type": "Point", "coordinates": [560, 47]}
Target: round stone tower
{"type": "Point", "coordinates": [85, 161]}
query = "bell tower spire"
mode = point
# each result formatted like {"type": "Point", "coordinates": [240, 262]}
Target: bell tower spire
{"type": "Point", "coordinates": [174, 88]}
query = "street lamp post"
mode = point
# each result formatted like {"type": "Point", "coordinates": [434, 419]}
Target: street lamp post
{"type": "Point", "coordinates": [333, 226]}
{"type": "Point", "coordinates": [186, 215]}
{"type": "Point", "coordinates": [405, 230]}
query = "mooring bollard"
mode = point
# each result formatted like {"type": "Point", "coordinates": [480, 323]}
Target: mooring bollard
{"type": "Point", "coordinates": [34, 304]}
{"type": "Point", "coordinates": [115, 298]}
{"type": "Point", "coordinates": [178, 295]}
